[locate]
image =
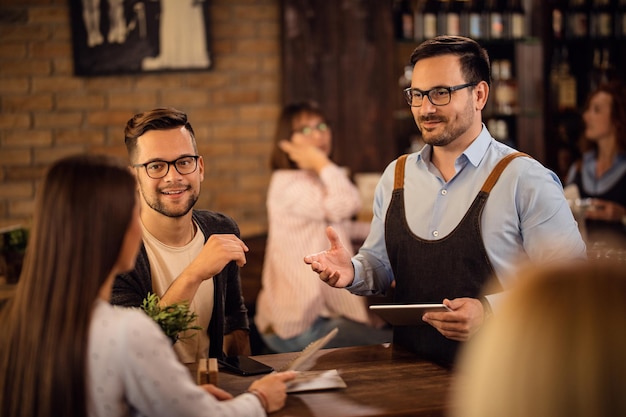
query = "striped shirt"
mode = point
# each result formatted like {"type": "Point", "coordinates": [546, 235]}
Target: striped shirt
{"type": "Point", "coordinates": [300, 205]}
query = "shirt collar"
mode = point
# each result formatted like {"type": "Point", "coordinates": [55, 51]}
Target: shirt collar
{"type": "Point", "coordinates": [473, 153]}
{"type": "Point", "coordinates": [590, 160]}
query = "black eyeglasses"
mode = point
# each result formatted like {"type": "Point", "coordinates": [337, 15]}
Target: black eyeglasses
{"type": "Point", "coordinates": [158, 169]}
{"type": "Point", "coordinates": [438, 96]}
{"type": "Point", "coordinates": [308, 130]}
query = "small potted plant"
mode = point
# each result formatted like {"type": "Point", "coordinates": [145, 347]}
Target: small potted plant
{"type": "Point", "coordinates": [13, 243]}
{"type": "Point", "coordinates": [173, 319]}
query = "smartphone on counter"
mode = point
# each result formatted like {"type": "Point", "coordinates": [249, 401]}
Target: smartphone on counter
{"type": "Point", "coordinates": [244, 365]}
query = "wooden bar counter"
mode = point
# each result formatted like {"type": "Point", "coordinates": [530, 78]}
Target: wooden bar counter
{"type": "Point", "coordinates": [381, 381]}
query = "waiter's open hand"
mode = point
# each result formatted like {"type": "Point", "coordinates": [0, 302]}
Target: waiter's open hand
{"type": "Point", "coordinates": [460, 324]}
{"type": "Point", "coordinates": [334, 266]}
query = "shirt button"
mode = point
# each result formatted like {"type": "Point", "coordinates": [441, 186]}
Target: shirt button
{"type": "Point", "coordinates": [435, 233]}
{"type": "Point", "coordinates": [444, 192]}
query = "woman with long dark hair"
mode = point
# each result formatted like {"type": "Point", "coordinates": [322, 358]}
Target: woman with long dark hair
{"type": "Point", "coordinates": [64, 350]}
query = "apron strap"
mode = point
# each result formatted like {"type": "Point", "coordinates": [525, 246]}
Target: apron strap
{"type": "Point", "coordinates": [398, 181]}
{"type": "Point", "coordinates": [495, 174]}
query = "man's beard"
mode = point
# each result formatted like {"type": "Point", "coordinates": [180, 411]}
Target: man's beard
{"type": "Point", "coordinates": [451, 133]}
{"type": "Point", "coordinates": [159, 207]}
{"type": "Point", "coordinates": [442, 139]}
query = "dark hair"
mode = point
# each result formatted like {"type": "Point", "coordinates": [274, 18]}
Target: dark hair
{"type": "Point", "coordinates": [617, 91]}
{"type": "Point", "coordinates": [474, 58]}
{"type": "Point", "coordinates": [84, 207]}
{"type": "Point", "coordinates": [162, 118]}
{"type": "Point", "coordinates": [284, 130]}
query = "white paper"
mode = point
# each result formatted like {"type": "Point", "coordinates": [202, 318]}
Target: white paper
{"type": "Point", "coordinates": [316, 380]}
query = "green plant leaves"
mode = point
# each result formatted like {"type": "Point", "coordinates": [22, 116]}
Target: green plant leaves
{"type": "Point", "coordinates": [173, 319]}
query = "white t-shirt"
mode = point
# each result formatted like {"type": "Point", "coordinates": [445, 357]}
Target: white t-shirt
{"type": "Point", "coordinates": [133, 371]}
{"type": "Point", "coordinates": [166, 264]}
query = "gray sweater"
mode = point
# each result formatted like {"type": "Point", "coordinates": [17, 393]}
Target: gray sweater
{"type": "Point", "coordinates": [229, 310]}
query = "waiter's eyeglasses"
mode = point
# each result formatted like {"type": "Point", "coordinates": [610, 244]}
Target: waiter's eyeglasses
{"type": "Point", "coordinates": [438, 96]}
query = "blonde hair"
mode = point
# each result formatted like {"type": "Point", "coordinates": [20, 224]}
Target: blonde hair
{"type": "Point", "coordinates": [554, 349]}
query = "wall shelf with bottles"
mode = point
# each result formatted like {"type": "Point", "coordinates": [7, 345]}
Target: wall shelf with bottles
{"type": "Point", "coordinates": [495, 20]}
{"type": "Point", "coordinates": [585, 45]}
{"type": "Point", "coordinates": [503, 27]}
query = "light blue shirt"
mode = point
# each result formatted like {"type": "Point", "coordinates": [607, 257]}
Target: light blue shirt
{"type": "Point", "coordinates": [526, 217]}
{"type": "Point", "coordinates": [591, 184]}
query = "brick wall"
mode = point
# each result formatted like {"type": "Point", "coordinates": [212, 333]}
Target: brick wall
{"type": "Point", "coordinates": [47, 113]}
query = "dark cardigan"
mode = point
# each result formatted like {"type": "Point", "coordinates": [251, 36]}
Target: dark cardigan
{"type": "Point", "coordinates": [229, 310]}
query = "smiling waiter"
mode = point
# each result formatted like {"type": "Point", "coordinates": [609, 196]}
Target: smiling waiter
{"type": "Point", "coordinates": [462, 210]}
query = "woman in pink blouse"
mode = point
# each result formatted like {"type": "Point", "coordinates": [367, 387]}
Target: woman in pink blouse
{"type": "Point", "coordinates": [307, 191]}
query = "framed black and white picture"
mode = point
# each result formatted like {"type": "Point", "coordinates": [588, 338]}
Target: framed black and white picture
{"type": "Point", "coordinates": [112, 37]}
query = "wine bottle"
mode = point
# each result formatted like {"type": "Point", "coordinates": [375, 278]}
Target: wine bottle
{"type": "Point", "coordinates": [601, 19]}
{"type": "Point", "coordinates": [491, 107]}
{"type": "Point", "coordinates": [453, 17]}
{"type": "Point", "coordinates": [606, 66]}
{"type": "Point", "coordinates": [595, 76]}
{"type": "Point", "coordinates": [577, 19]}
{"type": "Point", "coordinates": [397, 18]}
{"type": "Point", "coordinates": [479, 20]}
{"type": "Point", "coordinates": [404, 80]}
{"type": "Point", "coordinates": [430, 18]}
{"type": "Point", "coordinates": [502, 131]}
{"type": "Point", "coordinates": [406, 13]}
{"type": "Point", "coordinates": [442, 17]}
{"type": "Point", "coordinates": [602, 70]}
{"type": "Point", "coordinates": [558, 20]}
{"type": "Point", "coordinates": [492, 128]}
{"type": "Point", "coordinates": [554, 79]}
{"type": "Point", "coordinates": [516, 20]}
{"type": "Point", "coordinates": [496, 19]}
{"type": "Point", "coordinates": [567, 94]}
{"type": "Point", "coordinates": [620, 20]}
{"type": "Point", "coordinates": [418, 20]}
{"type": "Point", "coordinates": [506, 90]}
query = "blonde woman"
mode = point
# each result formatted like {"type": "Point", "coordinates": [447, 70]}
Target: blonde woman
{"type": "Point", "coordinates": [554, 349]}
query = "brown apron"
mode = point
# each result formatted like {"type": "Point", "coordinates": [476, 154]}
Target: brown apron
{"type": "Point", "coordinates": [428, 271]}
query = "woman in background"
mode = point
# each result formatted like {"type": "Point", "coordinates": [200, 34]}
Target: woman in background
{"type": "Point", "coordinates": [554, 349]}
{"type": "Point", "coordinates": [601, 173]}
{"type": "Point", "coordinates": [307, 192]}
{"type": "Point", "coordinates": [65, 351]}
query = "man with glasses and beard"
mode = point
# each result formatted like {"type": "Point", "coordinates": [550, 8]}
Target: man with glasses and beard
{"type": "Point", "coordinates": [187, 255]}
{"type": "Point", "coordinates": [453, 215]}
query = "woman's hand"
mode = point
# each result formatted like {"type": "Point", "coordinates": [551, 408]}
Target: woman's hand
{"type": "Point", "coordinates": [272, 389]}
{"type": "Point", "coordinates": [605, 210]}
{"type": "Point", "coordinates": [305, 156]}
{"type": "Point", "coordinates": [218, 393]}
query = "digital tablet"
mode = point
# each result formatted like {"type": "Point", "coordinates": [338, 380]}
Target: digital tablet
{"type": "Point", "coordinates": [405, 314]}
